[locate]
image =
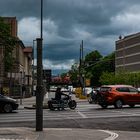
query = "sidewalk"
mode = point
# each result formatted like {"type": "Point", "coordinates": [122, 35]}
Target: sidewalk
{"type": "Point", "coordinates": [51, 134]}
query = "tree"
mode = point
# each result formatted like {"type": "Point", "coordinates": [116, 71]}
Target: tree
{"type": "Point", "coordinates": [73, 73]}
{"type": "Point", "coordinates": [95, 64]}
{"type": "Point", "coordinates": [106, 64]}
{"type": "Point", "coordinates": [107, 78]}
{"type": "Point", "coordinates": [8, 42]}
{"type": "Point", "coordinates": [93, 57]}
{"type": "Point", "coordinates": [121, 77]}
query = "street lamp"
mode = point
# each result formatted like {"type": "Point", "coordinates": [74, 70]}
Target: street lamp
{"type": "Point", "coordinates": [39, 93]}
{"type": "Point", "coordinates": [41, 21]}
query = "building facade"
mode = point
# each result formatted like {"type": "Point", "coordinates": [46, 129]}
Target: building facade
{"type": "Point", "coordinates": [12, 22]}
{"type": "Point", "coordinates": [127, 54]}
{"type": "Point", "coordinates": [21, 72]}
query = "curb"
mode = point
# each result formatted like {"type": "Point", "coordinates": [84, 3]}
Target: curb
{"type": "Point", "coordinates": [33, 107]}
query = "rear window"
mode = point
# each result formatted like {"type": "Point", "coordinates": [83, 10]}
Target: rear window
{"type": "Point", "coordinates": [133, 90]}
{"type": "Point", "coordinates": [122, 89]}
{"type": "Point", "coordinates": [104, 89]}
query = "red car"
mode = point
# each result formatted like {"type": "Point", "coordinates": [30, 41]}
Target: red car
{"type": "Point", "coordinates": [118, 95]}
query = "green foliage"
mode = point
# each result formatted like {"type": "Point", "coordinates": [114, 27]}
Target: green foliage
{"type": "Point", "coordinates": [93, 57]}
{"type": "Point", "coordinates": [106, 64]}
{"type": "Point", "coordinates": [121, 77]}
{"type": "Point", "coordinates": [95, 64]}
{"type": "Point", "coordinates": [8, 42]}
{"type": "Point", "coordinates": [74, 72]}
{"type": "Point", "coordinates": [107, 78]}
{"type": "Point", "coordinates": [63, 75]}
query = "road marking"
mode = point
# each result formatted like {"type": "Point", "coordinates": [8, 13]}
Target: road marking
{"type": "Point", "coordinates": [81, 114]}
{"type": "Point", "coordinates": [112, 136]}
{"type": "Point", "coordinates": [126, 113]}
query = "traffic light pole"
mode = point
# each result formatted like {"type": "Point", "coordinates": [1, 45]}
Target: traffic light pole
{"type": "Point", "coordinates": [39, 92]}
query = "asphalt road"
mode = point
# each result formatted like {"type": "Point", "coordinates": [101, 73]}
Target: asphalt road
{"type": "Point", "coordinates": [86, 115]}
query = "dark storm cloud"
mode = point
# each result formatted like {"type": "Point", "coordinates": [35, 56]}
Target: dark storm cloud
{"type": "Point", "coordinates": [20, 8]}
{"type": "Point", "coordinates": [67, 22]}
{"type": "Point", "coordinates": [61, 52]}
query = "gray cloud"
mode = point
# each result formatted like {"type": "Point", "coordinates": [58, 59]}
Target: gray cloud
{"type": "Point", "coordinates": [67, 22]}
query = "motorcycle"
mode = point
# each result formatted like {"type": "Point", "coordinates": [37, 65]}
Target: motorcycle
{"type": "Point", "coordinates": [63, 103]}
{"type": "Point", "coordinates": [93, 97]}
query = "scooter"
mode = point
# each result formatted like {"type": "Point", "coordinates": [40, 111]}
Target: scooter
{"type": "Point", "coordinates": [65, 102]}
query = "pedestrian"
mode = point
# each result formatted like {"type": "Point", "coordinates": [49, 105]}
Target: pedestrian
{"type": "Point", "coordinates": [23, 91]}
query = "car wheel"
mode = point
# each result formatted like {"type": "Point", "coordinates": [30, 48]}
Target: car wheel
{"type": "Point", "coordinates": [132, 105]}
{"type": "Point", "coordinates": [118, 104]}
{"type": "Point", "coordinates": [104, 106]}
{"type": "Point", "coordinates": [7, 108]}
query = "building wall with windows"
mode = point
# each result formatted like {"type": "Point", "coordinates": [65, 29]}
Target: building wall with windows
{"type": "Point", "coordinates": [127, 54]}
{"type": "Point", "coordinates": [21, 72]}
{"type": "Point", "coordinates": [12, 22]}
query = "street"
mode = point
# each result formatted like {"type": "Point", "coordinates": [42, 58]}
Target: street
{"type": "Point", "coordinates": [84, 116]}
{"type": "Point", "coordinates": [123, 123]}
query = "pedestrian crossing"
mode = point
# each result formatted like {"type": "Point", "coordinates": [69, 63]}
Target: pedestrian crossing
{"type": "Point", "coordinates": [83, 111]}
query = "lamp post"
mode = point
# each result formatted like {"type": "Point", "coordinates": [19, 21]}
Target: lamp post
{"type": "Point", "coordinates": [41, 21]}
{"type": "Point", "coordinates": [39, 93]}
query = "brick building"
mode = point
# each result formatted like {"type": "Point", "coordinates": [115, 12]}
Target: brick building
{"type": "Point", "coordinates": [128, 53]}
{"type": "Point", "coordinates": [12, 22]}
{"type": "Point", "coordinates": [21, 72]}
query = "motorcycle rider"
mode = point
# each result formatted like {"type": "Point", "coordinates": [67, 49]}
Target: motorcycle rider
{"type": "Point", "coordinates": [58, 96]}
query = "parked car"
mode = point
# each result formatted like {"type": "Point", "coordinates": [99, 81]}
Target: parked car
{"type": "Point", "coordinates": [118, 95]}
{"type": "Point", "coordinates": [7, 104]}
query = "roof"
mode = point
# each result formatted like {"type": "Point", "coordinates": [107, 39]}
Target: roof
{"type": "Point", "coordinates": [128, 37]}
{"type": "Point", "coordinates": [28, 50]}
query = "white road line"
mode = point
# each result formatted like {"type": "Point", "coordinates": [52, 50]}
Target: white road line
{"type": "Point", "coordinates": [81, 114]}
{"type": "Point", "coordinates": [127, 113]}
{"type": "Point", "coordinates": [112, 136]}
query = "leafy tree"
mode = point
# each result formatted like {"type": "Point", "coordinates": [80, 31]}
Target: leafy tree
{"type": "Point", "coordinates": [106, 64]}
{"type": "Point", "coordinates": [8, 42]}
{"type": "Point", "coordinates": [107, 78]}
{"type": "Point", "coordinates": [93, 57]}
{"type": "Point", "coordinates": [74, 72]}
{"type": "Point", "coordinates": [121, 77]}
{"type": "Point", "coordinates": [63, 75]}
{"type": "Point", "coordinates": [95, 65]}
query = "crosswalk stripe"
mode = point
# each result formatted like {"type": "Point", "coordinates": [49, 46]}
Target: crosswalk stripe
{"type": "Point", "coordinates": [82, 111]}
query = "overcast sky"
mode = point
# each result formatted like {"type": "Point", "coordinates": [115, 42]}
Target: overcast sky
{"type": "Point", "coordinates": [67, 22]}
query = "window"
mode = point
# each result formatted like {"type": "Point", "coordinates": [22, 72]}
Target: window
{"type": "Point", "coordinates": [104, 89]}
{"type": "Point", "coordinates": [133, 90]}
{"type": "Point", "coordinates": [123, 89]}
